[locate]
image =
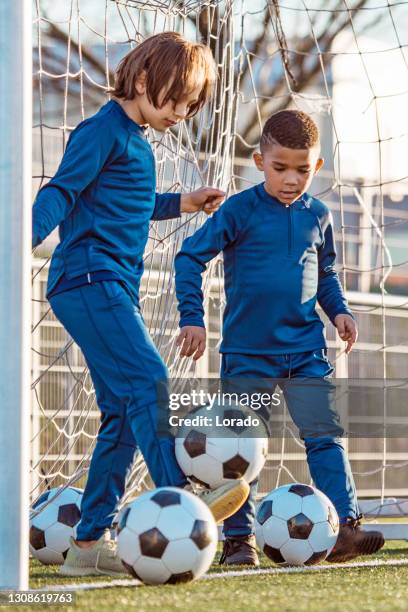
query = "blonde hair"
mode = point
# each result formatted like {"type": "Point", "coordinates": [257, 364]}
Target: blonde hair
{"type": "Point", "coordinates": [171, 61]}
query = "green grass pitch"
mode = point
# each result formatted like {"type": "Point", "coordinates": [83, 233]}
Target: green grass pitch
{"type": "Point", "coordinates": [361, 588]}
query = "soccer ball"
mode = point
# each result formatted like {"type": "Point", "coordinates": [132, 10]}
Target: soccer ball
{"type": "Point", "coordinates": [167, 536]}
{"type": "Point", "coordinates": [212, 455]}
{"type": "Point", "coordinates": [53, 521]}
{"type": "Point", "coordinates": [297, 525]}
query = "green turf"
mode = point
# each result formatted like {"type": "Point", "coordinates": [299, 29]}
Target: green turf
{"type": "Point", "coordinates": [362, 589]}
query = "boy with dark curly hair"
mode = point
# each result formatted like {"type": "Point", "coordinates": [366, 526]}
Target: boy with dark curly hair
{"type": "Point", "coordinates": [279, 261]}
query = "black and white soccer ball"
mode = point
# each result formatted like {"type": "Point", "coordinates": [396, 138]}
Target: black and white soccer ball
{"type": "Point", "coordinates": [167, 536]}
{"type": "Point", "coordinates": [212, 455]}
{"type": "Point", "coordinates": [53, 520]}
{"type": "Point", "coordinates": [296, 525]}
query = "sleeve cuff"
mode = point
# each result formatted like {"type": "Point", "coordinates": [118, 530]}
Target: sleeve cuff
{"type": "Point", "coordinates": [344, 311]}
{"type": "Point", "coordinates": [195, 322]}
{"type": "Point", "coordinates": [174, 204]}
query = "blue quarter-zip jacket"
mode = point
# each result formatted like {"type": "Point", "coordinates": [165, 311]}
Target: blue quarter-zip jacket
{"type": "Point", "coordinates": [278, 261]}
{"type": "Point", "coordinates": [102, 197]}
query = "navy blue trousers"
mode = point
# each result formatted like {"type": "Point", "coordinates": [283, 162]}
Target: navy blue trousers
{"type": "Point", "coordinates": [312, 412]}
{"type": "Point", "coordinates": [126, 371]}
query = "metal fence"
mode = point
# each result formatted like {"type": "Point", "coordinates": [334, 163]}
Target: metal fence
{"type": "Point", "coordinates": [65, 416]}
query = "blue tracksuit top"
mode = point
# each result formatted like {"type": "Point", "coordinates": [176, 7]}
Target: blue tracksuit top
{"type": "Point", "coordinates": [102, 197]}
{"type": "Point", "coordinates": [278, 261]}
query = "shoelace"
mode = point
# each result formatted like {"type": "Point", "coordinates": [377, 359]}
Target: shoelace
{"type": "Point", "coordinates": [202, 493]}
{"type": "Point", "coordinates": [354, 522]}
{"type": "Point", "coordinates": [230, 545]}
{"type": "Point", "coordinates": [111, 545]}
{"type": "Point", "coordinates": [225, 551]}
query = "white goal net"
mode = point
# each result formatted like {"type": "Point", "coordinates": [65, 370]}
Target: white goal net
{"type": "Point", "coordinates": [345, 63]}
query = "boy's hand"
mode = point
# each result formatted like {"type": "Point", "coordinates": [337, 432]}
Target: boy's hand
{"type": "Point", "coordinates": [193, 340]}
{"type": "Point", "coordinates": [347, 329]}
{"type": "Point", "coordinates": [207, 199]}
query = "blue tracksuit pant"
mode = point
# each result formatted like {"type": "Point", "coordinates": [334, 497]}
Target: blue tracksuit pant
{"type": "Point", "coordinates": [126, 370]}
{"type": "Point", "coordinates": [326, 457]}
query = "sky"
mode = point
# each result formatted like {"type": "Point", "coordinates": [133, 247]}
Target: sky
{"type": "Point", "coordinates": [370, 98]}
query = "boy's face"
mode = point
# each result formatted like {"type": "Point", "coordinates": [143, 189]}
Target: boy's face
{"type": "Point", "coordinates": [288, 172]}
{"type": "Point", "coordinates": [163, 117]}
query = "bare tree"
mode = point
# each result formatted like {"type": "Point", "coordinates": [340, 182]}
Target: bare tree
{"type": "Point", "coordinates": [301, 60]}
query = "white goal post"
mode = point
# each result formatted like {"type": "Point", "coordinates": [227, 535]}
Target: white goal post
{"type": "Point", "coordinates": [15, 291]}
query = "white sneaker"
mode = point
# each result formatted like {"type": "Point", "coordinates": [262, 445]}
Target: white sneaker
{"type": "Point", "coordinates": [225, 500]}
{"type": "Point", "coordinates": [99, 559]}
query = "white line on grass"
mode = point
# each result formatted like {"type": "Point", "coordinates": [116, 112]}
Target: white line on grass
{"type": "Point", "coordinates": [228, 574]}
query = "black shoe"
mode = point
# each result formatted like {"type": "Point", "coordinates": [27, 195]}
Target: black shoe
{"type": "Point", "coordinates": [240, 550]}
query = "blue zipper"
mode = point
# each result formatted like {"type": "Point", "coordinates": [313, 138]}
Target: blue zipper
{"type": "Point", "coordinates": [289, 229]}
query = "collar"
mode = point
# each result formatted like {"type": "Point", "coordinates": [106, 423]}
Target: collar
{"type": "Point", "coordinates": [132, 124]}
{"type": "Point", "coordinates": [305, 200]}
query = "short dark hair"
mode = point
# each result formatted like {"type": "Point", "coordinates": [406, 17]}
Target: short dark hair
{"type": "Point", "coordinates": [293, 129]}
{"type": "Point", "coordinates": [168, 59]}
